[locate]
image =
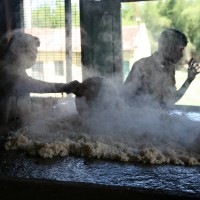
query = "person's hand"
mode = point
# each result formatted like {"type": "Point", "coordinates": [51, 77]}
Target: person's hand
{"type": "Point", "coordinates": [193, 69]}
{"type": "Point", "coordinates": [71, 87]}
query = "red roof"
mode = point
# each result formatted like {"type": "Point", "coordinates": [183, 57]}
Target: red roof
{"type": "Point", "coordinates": [54, 39]}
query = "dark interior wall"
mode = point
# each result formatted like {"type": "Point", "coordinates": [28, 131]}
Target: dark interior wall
{"type": "Point", "coordinates": [101, 36]}
{"type": "Point", "coordinates": [2, 18]}
{"type": "Point", "coordinates": [10, 17]}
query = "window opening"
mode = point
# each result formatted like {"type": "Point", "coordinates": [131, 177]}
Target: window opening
{"type": "Point", "coordinates": [59, 68]}
{"type": "Point", "coordinates": [37, 71]}
{"type": "Point", "coordinates": [142, 23]}
{"type": "Point", "coordinates": [46, 20]}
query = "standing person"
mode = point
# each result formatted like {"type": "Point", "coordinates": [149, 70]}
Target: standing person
{"type": "Point", "coordinates": [18, 52]}
{"type": "Point", "coordinates": [153, 78]}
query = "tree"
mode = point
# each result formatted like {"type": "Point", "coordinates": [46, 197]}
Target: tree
{"type": "Point", "coordinates": [190, 19]}
{"type": "Point", "coordinates": [157, 15]}
{"type": "Point", "coordinates": [128, 14]}
{"type": "Point", "coordinates": [42, 17]}
{"type": "Point", "coordinates": [53, 16]}
{"type": "Point", "coordinates": [184, 16]}
{"type": "Point", "coordinates": [155, 22]}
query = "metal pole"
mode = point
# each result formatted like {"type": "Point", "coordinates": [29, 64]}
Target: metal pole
{"type": "Point", "coordinates": [68, 31]}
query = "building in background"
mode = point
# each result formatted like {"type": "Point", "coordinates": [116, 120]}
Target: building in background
{"type": "Point", "coordinates": [136, 45]}
{"type": "Point", "coordinates": [51, 62]}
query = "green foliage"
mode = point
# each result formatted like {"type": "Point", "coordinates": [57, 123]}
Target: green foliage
{"type": "Point", "coordinates": [49, 16]}
{"type": "Point", "coordinates": [154, 21]}
{"type": "Point", "coordinates": [191, 15]}
{"type": "Point", "coordinates": [42, 17]}
{"type": "Point", "coordinates": [185, 17]}
{"type": "Point", "coordinates": [128, 14]}
{"type": "Point", "coordinates": [157, 15]}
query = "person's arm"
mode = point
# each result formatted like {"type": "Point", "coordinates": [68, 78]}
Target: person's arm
{"type": "Point", "coordinates": [27, 84]}
{"type": "Point", "coordinates": [193, 70]}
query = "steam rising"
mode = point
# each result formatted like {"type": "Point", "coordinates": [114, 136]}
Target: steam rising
{"type": "Point", "coordinates": [110, 129]}
{"type": "Point", "coordinates": [118, 132]}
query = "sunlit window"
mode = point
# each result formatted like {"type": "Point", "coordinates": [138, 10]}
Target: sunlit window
{"type": "Point", "coordinates": [60, 53]}
{"type": "Point", "coordinates": [142, 23]}
{"type": "Point", "coordinates": [59, 68]}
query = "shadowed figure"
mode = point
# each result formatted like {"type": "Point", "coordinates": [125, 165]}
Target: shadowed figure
{"type": "Point", "coordinates": [152, 79]}
{"type": "Point", "coordinates": [94, 94]}
{"type": "Point", "coordinates": [18, 52]}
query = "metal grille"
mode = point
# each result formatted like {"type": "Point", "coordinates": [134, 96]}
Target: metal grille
{"type": "Point", "coordinates": [46, 20]}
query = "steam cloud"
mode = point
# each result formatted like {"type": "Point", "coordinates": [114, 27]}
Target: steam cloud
{"type": "Point", "coordinates": [118, 132]}
{"type": "Point", "coordinates": [110, 130]}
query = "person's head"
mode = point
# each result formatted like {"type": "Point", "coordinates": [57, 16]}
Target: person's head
{"type": "Point", "coordinates": [20, 48]}
{"type": "Point", "coordinates": [171, 44]}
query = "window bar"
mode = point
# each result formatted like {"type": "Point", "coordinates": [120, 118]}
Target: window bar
{"type": "Point", "coordinates": [68, 41]}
